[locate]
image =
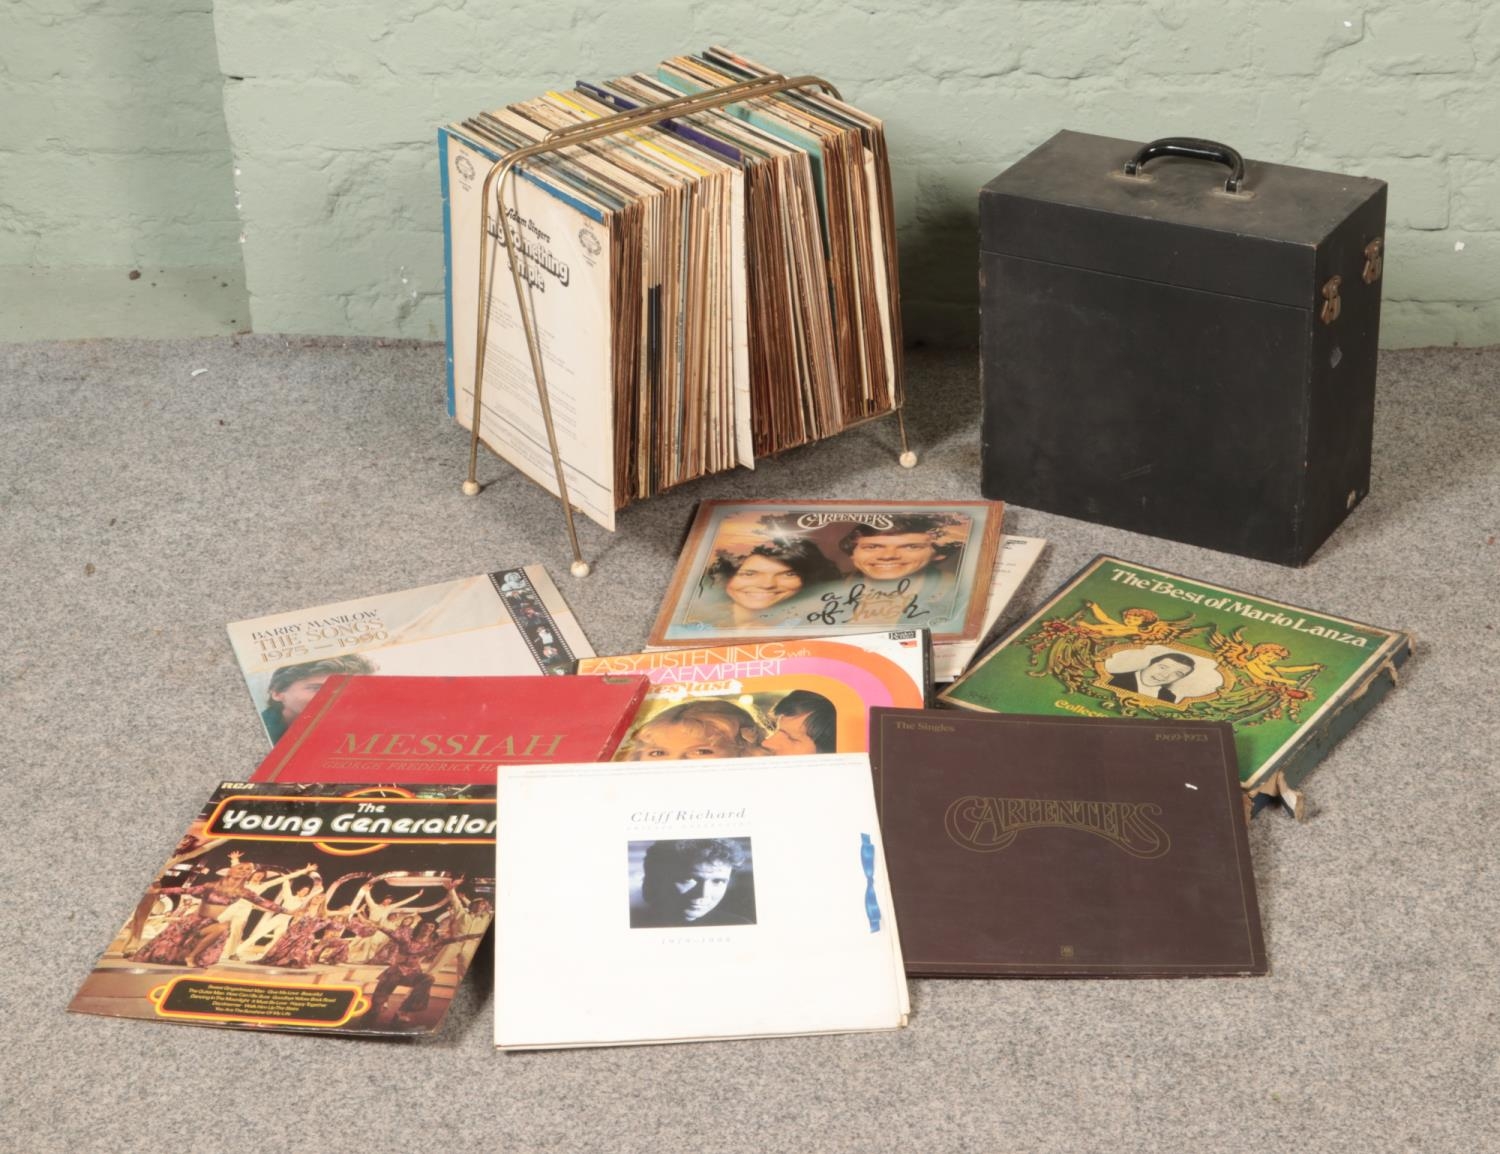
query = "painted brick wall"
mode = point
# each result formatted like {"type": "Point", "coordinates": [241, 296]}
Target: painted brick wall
{"type": "Point", "coordinates": [332, 109]}
{"type": "Point", "coordinates": [113, 151]}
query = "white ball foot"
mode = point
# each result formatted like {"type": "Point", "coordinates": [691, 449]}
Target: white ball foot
{"type": "Point", "coordinates": [471, 488]}
{"type": "Point", "coordinates": [580, 569]}
{"type": "Point", "coordinates": [908, 460]}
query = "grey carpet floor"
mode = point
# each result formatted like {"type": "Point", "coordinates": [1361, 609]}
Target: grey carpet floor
{"type": "Point", "coordinates": [145, 506]}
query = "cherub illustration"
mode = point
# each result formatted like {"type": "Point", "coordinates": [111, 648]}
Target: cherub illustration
{"type": "Point", "coordinates": [1259, 662]}
{"type": "Point", "coordinates": [1139, 624]}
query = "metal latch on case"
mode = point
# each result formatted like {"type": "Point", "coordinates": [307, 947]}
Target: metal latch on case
{"type": "Point", "coordinates": [1332, 306]}
{"type": "Point", "coordinates": [1374, 262]}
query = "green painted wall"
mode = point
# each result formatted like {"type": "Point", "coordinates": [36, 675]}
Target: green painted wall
{"type": "Point", "coordinates": [119, 153]}
{"type": "Point", "coordinates": [114, 158]}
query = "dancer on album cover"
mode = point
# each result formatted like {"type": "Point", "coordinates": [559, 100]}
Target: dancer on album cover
{"type": "Point", "coordinates": [415, 948]}
{"type": "Point", "coordinates": [171, 941]}
{"type": "Point", "coordinates": [295, 948]}
{"type": "Point", "coordinates": [269, 929]}
{"type": "Point", "coordinates": [464, 916]}
{"type": "Point", "coordinates": [237, 916]}
{"type": "Point", "coordinates": [206, 931]}
{"type": "Point", "coordinates": [381, 915]}
{"type": "Point", "coordinates": [331, 943]}
{"type": "Point", "coordinates": [190, 847]}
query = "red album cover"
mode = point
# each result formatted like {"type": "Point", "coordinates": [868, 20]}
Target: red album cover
{"type": "Point", "coordinates": [450, 730]}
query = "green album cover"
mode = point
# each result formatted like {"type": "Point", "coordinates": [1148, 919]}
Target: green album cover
{"type": "Point", "coordinates": [1125, 640]}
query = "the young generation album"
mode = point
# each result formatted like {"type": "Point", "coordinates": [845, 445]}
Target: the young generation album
{"type": "Point", "coordinates": [312, 908]}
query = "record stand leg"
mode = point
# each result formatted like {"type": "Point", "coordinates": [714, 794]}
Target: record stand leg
{"type": "Point", "coordinates": [907, 458]}
{"type": "Point", "coordinates": [471, 483]}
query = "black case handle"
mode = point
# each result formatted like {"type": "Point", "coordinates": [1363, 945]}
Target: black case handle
{"type": "Point", "coordinates": [1191, 148]}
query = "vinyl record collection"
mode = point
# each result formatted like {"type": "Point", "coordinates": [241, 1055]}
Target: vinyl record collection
{"type": "Point", "coordinates": [705, 291]}
{"type": "Point", "coordinates": [689, 290]}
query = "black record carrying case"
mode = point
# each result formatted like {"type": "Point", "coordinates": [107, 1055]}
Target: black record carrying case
{"type": "Point", "coordinates": [1179, 342]}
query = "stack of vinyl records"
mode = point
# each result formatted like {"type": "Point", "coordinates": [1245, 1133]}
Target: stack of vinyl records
{"type": "Point", "coordinates": [703, 292]}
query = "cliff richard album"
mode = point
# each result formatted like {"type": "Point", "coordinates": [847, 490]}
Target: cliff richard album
{"type": "Point", "coordinates": [310, 908]}
{"type": "Point", "coordinates": [507, 623]}
{"type": "Point", "coordinates": [758, 570]}
{"type": "Point", "coordinates": [1121, 639]}
{"type": "Point", "coordinates": [775, 698]}
{"type": "Point", "coordinates": [723, 899]}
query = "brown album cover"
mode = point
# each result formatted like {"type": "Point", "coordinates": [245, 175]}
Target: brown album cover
{"type": "Point", "coordinates": [1065, 847]}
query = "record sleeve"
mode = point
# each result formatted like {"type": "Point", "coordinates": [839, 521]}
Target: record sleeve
{"type": "Point", "coordinates": [309, 908]}
{"type": "Point", "coordinates": [774, 698]}
{"type": "Point", "coordinates": [567, 263]}
{"type": "Point", "coordinates": [1017, 556]}
{"type": "Point", "coordinates": [507, 623]}
{"type": "Point", "coordinates": [450, 730]}
{"type": "Point", "coordinates": [763, 570]}
{"type": "Point", "coordinates": [1127, 640]}
{"type": "Point", "coordinates": [718, 899]}
{"type": "Point", "coordinates": [1065, 847]}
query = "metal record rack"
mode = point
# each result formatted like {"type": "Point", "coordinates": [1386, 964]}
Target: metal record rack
{"type": "Point", "coordinates": [502, 171]}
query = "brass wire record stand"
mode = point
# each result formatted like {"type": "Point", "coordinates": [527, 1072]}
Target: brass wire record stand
{"type": "Point", "coordinates": [499, 183]}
